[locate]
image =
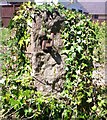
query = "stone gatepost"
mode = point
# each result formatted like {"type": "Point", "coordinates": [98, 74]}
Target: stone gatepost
{"type": "Point", "coordinates": [47, 60]}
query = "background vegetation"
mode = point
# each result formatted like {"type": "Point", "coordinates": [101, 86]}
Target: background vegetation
{"type": "Point", "coordinates": [80, 98]}
{"type": "Point", "coordinates": [101, 36]}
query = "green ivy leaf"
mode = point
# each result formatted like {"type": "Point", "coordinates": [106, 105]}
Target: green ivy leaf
{"type": "Point", "coordinates": [94, 107]}
{"type": "Point", "coordinates": [79, 48]}
{"type": "Point", "coordinates": [89, 100]}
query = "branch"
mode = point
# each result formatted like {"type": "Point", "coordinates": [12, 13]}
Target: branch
{"type": "Point", "coordinates": [8, 111]}
{"type": "Point", "coordinates": [28, 118]}
{"type": "Point", "coordinates": [12, 112]}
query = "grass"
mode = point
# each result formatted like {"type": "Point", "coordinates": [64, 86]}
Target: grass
{"type": "Point", "coordinates": [4, 35]}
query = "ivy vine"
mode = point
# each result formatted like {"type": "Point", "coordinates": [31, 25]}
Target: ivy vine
{"type": "Point", "coordinates": [80, 98]}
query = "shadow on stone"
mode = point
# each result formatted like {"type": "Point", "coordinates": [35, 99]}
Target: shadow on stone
{"type": "Point", "coordinates": [56, 56]}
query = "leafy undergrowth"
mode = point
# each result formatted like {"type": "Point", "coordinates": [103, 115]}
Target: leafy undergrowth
{"type": "Point", "coordinates": [100, 54]}
{"type": "Point", "coordinates": [79, 98]}
{"type": "Point", "coordinates": [101, 36]}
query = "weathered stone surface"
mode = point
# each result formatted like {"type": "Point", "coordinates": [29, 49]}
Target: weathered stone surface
{"type": "Point", "coordinates": [47, 65]}
{"type": "Point", "coordinates": [49, 69]}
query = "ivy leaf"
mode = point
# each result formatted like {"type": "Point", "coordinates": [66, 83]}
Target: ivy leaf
{"type": "Point", "coordinates": [101, 103]}
{"type": "Point", "coordinates": [89, 100]}
{"type": "Point", "coordinates": [30, 110]}
{"type": "Point", "coordinates": [65, 51]}
{"type": "Point", "coordinates": [72, 49]}
{"type": "Point", "coordinates": [79, 32]}
{"type": "Point", "coordinates": [14, 102]}
{"type": "Point", "coordinates": [21, 42]}
{"type": "Point", "coordinates": [29, 23]}
{"type": "Point", "coordinates": [94, 107]}
{"type": "Point", "coordinates": [15, 18]}
{"type": "Point", "coordinates": [99, 97]}
{"type": "Point", "coordinates": [79, 49]}
{"type": "Point", "coordinates": [26, 111]}
{"type": "Point", "coordinates": [27, 93]}
{"type": "Point", "coordinates": [66, 22]}
{"type": "Point", "coordinates": [74, 55]}
{"type": "Point", "coordinates": [89, 94]}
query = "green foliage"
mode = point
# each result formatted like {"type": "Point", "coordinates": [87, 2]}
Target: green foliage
{"type": "Point", "coordinates": [19, 96]}
{"type": "Point", "coordinates": [80, 41]}
{"type": "Point", "coordinates": [16, 67]}
{"type": "Point", "coordinates": [101, 36]}
{"type": "Point", "coordinates": [79, 98]}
